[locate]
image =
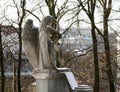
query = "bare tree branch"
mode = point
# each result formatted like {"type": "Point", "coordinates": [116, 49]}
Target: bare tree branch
{"type": "Point", "coordinates": [33, 15]}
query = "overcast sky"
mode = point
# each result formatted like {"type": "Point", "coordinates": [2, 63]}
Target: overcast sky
{"type": "Point", "coordinates": [11, 12]}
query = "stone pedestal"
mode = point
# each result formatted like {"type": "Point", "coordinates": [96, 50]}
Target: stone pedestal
{"type": "Point", "coordinates": [49, 80]}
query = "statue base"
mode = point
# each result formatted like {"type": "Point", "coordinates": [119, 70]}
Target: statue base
{"type": "Point", "coordinates": [49, 80]}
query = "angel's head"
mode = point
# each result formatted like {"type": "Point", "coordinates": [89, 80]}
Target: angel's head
{"type": "Point", "coordinates": [50, 20]}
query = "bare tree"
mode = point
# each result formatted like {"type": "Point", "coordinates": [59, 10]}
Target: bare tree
{"type": "Point", "coordinates": [13, 59]}
{"type": "Point", "coordinates": [20, 8]}
{"type": "Point", "coordinates": [107, 6]}
{"type": "Point", "coordinates": [90, 13]}
{"type": "Point", "coordinates": [20, 21]}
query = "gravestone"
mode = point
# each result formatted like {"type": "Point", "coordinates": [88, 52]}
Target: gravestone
{"type": "Point", "coordinates": [40, 48]}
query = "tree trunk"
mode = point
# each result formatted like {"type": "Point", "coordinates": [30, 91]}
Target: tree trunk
{"type": "Point", "coordinates": [107, 53]}
{"type": "Point", "coordinates": [23, 3]}
{"type": "Point", "coordinates": [90, 13]}
{"type": "Point", "coordinates": [14, 75]}
{"type": "Point", "coordinates": [19, 61]}
{"type": "Point", "coordinates": [96, 64]}
{"type": "Point", "coordinates": [2, 64]}
{"type": "Point", "coordinates": [51, 7]}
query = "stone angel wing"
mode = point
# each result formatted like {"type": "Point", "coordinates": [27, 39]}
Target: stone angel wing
{"type": "Point", "coordinates": [30, 40]}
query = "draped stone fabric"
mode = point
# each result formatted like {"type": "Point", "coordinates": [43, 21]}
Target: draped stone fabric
{"type": "Point", "coordinates": [46, 53]}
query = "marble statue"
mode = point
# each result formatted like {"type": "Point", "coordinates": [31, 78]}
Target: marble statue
{"type": "Point", "coordinates": [39, 44]}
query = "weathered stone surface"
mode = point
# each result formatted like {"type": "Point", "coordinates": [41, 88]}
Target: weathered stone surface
{"type": "Point", "coordinates": [50, 81]}
{"type": "Point", "coordinates": [38, 45]}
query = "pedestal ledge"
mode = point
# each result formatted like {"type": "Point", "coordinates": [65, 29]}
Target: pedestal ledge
{"type": "Point", "coordinates": [44, 74]}
{"type": "Point", "coordinates": [65, 69]}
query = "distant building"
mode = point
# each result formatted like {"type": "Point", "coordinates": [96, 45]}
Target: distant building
{"type": "Point", "coordinates": [8, 29]}
{"type": "Point", "coordinates": [11, 48]}
{"type": "Point", "coordinates": [76, 38]}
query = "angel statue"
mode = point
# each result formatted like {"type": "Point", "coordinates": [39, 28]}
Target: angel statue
{"type": "Point", "coordinates": [39, 43]}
